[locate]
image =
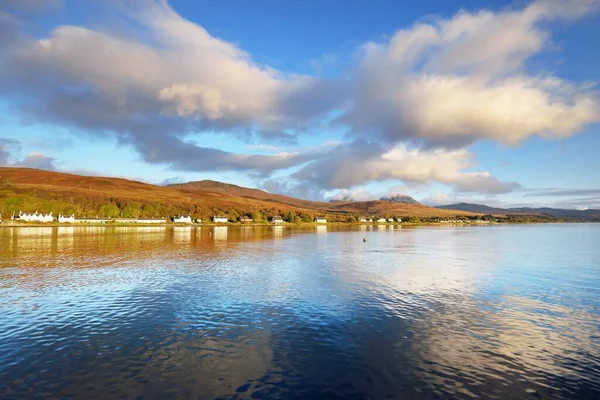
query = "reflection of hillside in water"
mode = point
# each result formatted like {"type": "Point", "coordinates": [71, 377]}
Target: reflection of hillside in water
{"type": "Point", "coordinates": [46, 246]}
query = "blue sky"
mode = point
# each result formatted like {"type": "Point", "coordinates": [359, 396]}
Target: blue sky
{"type": "Point", "coordinates": [492, 102]}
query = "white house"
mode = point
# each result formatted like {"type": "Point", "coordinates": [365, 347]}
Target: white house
{"type": "Point", "coordinates": [390, 220]}
{"type": "Point", "coordinates": [382, 220]}
{"type": "Point", "coordinates": [182, 219]}
{"type": "Point", "coordinates": [245, 219]}
{"type": "Point", "coordinates": [220, 219]}
{"type": "Point", "coordinates": [320, 220]}
{"type": "Point", "coordinates": [277, 219]}
{"type": "Point", "coordinates": [198, 220]}
{"type": "Point", "coordinates": [63, 219]}
{"type": "Point", "coordinates": [362, 219]}
{"type": "Point", "coordinates": [35, 217]}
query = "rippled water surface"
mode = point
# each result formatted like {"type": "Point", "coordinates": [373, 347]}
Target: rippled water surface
{"type": "Point", "coordinates": [273, 312]}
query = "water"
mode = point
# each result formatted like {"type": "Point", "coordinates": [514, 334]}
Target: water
{"type": "Point", "coordinates": [464, 312]}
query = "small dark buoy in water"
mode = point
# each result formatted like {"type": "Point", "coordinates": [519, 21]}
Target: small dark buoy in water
{"type": "Point", "coordinates": [365, 240]}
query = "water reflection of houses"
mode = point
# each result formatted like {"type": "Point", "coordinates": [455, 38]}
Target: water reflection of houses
{"type": "Point", "coordinates": [321, 229]}
{"type": "Point", "coordinates": [36, 240]}
{"type": "Point", "coordinates": [182, 234]}
{"type": "Point", "coordinates": [246, 232]}
{"type": "Point", "coordinates": [64, 238]}
{"type": "Point", "coordinates": [278, 232]}
{"type": "Point", "coordinates": [220, 233]}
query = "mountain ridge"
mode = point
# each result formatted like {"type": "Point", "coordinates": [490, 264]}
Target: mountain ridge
{"type": "Point", "coordinates": [400, 198]}
{"type": "Point", "coordinates": [569, 214]}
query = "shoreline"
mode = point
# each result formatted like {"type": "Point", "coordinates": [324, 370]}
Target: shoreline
{"type": "Point", "coordinates": [291, 224]}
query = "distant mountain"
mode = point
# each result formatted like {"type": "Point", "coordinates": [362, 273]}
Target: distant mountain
{"type": "Point", "coordinates": [477, 208]}
{"type": "Point", "coordinates": [573, 215]}
{"type": "Point", "coordinates": [400, 198]}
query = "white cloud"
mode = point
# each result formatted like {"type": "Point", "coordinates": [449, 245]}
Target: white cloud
{"type": "Point", "coordinates": [351, 165]}
{"type": "Point", "coordinates": [355, 194]}
{"type": "Point", "coordinates": [362, 194]}
{"type": "Point", "coordinates": [465, 78]}
{"type": "Point", "coordinates": [184, 72]}
{"type": "Point", "coordinates": [442, 199]}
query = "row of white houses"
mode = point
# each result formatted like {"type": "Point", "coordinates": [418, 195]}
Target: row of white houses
{"type": "Point", "coordinates": [178, 219]}
{"type": "Point", "coordinates": [34, 217]}
{"type": "Point", "coordinates": [70, 219]}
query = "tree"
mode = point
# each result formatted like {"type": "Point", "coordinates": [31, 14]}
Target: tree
{"type": "Point", "coordinates": [257, 216]}
{"type": "Point", "coordinates": [289, 216]}
{"type": "Point", "coordinates": [109, 211]}
{"type": "Point", "coordinates": [232, 215]}
{"type": "Point", "coordinates": [132, 210]}
{"type": "Point", "coordinates": [148, 210]}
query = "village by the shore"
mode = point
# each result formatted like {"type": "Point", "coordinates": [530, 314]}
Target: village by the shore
{"type": "Point", "coordinates": [35, 218]}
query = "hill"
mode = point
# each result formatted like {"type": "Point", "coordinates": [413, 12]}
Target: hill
{"type": "Point", "coordinates": [30, 190]}
{"type": "Point", "coordinates": [374, 207]}
{"type": "Point", "coordinates": [572, 215]}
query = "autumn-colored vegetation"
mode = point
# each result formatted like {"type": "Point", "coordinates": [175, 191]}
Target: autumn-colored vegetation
{"type": "Point", "coordinates": [23, 189]}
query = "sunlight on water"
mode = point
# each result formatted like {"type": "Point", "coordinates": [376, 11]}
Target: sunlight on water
{"type": "Point", "coordinates": [280, 312]}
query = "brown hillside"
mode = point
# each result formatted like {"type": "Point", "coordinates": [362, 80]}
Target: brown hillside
{"type": "Point", "coordinates": [29, 190]}
{"type": "Point", "coordinates": [375, 207]}
{"type": "Point", "coordinates": [239, 191]}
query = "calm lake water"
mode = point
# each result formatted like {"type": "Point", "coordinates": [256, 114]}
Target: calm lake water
{"type": "Point", "coordinates": [273, 312]}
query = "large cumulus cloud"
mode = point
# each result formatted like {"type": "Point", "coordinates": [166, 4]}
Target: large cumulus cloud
{"type": "Point", "coordinates": [459, 80]}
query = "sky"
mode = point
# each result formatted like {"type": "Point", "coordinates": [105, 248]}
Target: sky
{"type": "Point", "coordinates": [490, 102]}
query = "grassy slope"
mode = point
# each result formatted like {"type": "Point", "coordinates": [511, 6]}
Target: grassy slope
{"type": "Point", "coordinates": [205, 196]}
